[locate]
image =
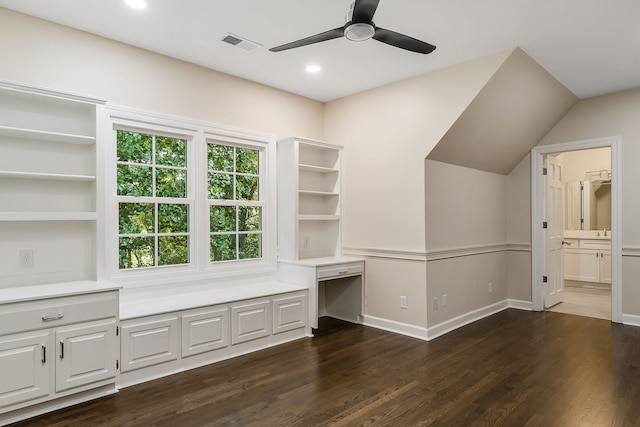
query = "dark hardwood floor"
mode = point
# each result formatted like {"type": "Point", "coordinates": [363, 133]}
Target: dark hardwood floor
{"type": "Point", "coordinates": [515, 368]}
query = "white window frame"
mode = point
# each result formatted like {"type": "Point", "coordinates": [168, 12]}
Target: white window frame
{"type": "Point", "coordinates": [198, 135]}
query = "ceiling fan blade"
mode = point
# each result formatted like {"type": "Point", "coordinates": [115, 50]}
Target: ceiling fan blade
{"type": "Point", "coordinates": [363, 10]}
{"type": "Point", "coordinates": [402, 41]}
{"type": "Point", "coordinates": [327, 35]}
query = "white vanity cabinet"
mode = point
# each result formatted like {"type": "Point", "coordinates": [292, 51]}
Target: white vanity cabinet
{"type": "Point", "coordinates": [588, 260]}
{"type": "Point", "coordinates": [56, 350]}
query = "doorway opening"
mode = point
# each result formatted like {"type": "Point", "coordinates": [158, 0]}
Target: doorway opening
{"type": "Point", "coordinates": [592, 263]}
{"type": "Point", "coordinates": [586, 236]}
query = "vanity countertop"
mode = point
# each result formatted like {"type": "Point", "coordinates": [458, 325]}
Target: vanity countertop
{"type": "Point", "coordinates": [587, 234]}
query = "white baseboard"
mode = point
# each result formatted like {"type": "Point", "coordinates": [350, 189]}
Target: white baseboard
{"type": "Point", "coordinates": [448, 326]}
{"type": "Point", "coordinates": [470, 317]}
{"type": "Point", "coordinates": [630, 319]}
{"type": "Point", "coordinates": [520, 304]}
{"type": "Point", "coordinates": [397, 327]}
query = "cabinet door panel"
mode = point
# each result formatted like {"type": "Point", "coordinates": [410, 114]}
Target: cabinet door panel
{"type": "Point", "coordinates": [85, 354]}
{"type": "Point", "coordinates": [205, 331]}
{"type": "Point", "coordinates": [149, 343]}
{"type": "Point", "coordinates": [24, 369]}
{"type": "Point", "coordinates": [250, 321]}
{"type": "Point", "coordinates": [581, 265]}
{"type": "Point", "coordinates": [289, 313]}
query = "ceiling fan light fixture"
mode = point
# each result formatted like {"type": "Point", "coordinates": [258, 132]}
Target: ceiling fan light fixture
{"type": "Point", "coordinates": [359, 32]}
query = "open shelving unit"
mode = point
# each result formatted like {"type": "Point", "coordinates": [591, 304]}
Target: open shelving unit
{"type": "Point", "coordinates": [48, 179]}
{"type": "Point", "coordinates": [309, 206]}
{"type": "Point", "coordinates": [309, 230]}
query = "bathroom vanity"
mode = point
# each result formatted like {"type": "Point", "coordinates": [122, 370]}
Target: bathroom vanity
{"type": "Point", "coordinates": [587, 256]}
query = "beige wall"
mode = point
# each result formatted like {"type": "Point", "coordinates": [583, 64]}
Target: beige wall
{"type": "Point", "coordinates": [577, 163]}
{"type": "Point", "coordinates": [465, 207]}
{"type": "Point", "coordinates": [387, 280]}
{"type": "Point", "coordinates": [387, 133]}
{"type": "Point", "coordinates": [466, 215]}
{"type": "Point", "coordinates": [41, 53]}
{"type": "Point", "coordinates": [519, 231]}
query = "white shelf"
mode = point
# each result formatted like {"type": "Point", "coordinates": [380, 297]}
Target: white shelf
{"type": "Point", "coordinates": [319, 217]}
{"type": "Point", "coordinates": [309, 199]}
{"type": "Point", "coordinates": [317, 169]}
{"type": "Point", "coordinates": [46, 136]}
{"type": "Point", "coordinates": [46, 176]}
{"type": "Point", "coordinates": [48, 216]}
{"type": "Point", "coordinates": [50, 163]}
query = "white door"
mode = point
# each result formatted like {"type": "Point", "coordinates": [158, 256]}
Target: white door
{"type": "Point", "coordinates": [553, 216]}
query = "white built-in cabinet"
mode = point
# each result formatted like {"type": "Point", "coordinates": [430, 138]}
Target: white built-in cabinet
{"type": "Point", "coordinates": [158, 345]}
{"type": "Point", "coordinates": [587, 260]}
{"type": "Point", "coordinates": [310, 230]}
{"type": "Point", "coordinates": [309, 205]}
{"type": "Point", "coordinates": [56, 349]}
{"type": "Point", "coordinates": [48, 192]}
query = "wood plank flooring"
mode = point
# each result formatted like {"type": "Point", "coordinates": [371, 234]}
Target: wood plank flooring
{"type": "Point", "coordinates": [515, 368]}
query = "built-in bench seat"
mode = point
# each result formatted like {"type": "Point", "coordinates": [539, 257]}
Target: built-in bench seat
{"type": "Point", "coordinates": [169, 329]}
{"type": "Point", "coordinates": [148, 301]}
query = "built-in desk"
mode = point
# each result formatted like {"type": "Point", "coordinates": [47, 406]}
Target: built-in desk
{"type": "Point", "coordinates": [336, 286]}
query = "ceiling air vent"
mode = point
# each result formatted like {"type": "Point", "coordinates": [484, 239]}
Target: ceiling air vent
{"type": "Point", "coordinates": [241, 43]}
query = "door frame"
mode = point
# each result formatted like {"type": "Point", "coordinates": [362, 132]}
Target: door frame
{"type": "Point", "coordinates": [537, 216]}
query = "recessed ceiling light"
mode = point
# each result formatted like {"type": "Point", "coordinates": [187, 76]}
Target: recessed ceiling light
{"type": "Point", "coordinates": [313, 68]}
{"type": "Point", "coordinates": [136, 4]}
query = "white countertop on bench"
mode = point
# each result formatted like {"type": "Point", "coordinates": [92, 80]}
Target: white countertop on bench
{"type": "Point", "coordinates": [147, 301]}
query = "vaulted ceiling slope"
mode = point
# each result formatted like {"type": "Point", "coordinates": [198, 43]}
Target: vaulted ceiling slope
{"type": "Point", "coordinates": [508, 117]}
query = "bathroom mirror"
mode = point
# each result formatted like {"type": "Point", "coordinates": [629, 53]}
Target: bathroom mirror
{"type": "Point", "coordinates": [588, 205]}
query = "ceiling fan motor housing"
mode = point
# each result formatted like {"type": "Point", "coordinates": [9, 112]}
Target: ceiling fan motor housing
{"type": "Point", "coordinates": [359, 31]}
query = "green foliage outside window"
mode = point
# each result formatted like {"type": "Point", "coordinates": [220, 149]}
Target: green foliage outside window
{"type": "Point", "coordinates": [152, 233]}
{"type": "Point", "coordinates": [236, 229]}
{"type": "Point", "coordinates": [153, 209]}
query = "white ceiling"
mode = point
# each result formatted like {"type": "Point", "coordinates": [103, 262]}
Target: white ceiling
{"type": "Point", "coordinates": [590, 46]}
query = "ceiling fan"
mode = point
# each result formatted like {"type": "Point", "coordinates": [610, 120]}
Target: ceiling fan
{"type": "Point", "coordinates": [360, 27]}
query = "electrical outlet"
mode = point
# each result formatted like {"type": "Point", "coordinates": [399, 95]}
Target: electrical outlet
{"type": "Point", "coordinates": [403, 302]}
{"type": "Point", "coordinates": [444, 300]}
{"type": "Point", "coordinates": [305, 242]}
{"type": "Point", "coordinates": [26, 258]}
{"type": "Point", "coordinates": [435, 304]}
{"type": "Point", "coordinates": [490, 287]}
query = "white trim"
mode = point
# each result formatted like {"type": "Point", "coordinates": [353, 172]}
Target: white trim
{"type": "Point", "coordinates": [440, 329]}
{"type": "Point", "coordinates": [520, 304]}
{"type": "Point", "coordinates": [537, 153]}
{"type": "Point", "coordinates": [52, 93]}
{"type": "Point", "coordinates": [386, 253]}
{"type": "Point", "coordinates": [465, 319]}
{"type": "Point", "coordinates": [396, 327]}
{"type": "Point", "coordinates": [198, 133]}
{"type": "Point", "coordinates": [631, 319]}
{"type": "Point", "coordinates": [476, 250]}
{"type": "Point", "coordinates": [436, 254]}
